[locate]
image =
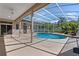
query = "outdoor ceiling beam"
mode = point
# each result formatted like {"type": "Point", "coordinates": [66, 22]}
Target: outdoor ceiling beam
{"type": "Point", "coordinates": [67, 5]}
{"type": "Point", "coordinates": [7, 20]}
{"type": "Point", "coordinates": [41, 19]}
{"type": "Point", "coordinates": [50, 13]}
{"type": "Point", "coordinates": [44, 16]}
{"type": "Point", "coordinates": [61, 11]}
{"type": "Point", "coordinates": [67, 11]}
{"type": "Point", "coordinates": [38, 18]}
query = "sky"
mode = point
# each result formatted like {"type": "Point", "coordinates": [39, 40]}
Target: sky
{"type": "Point", "coordinates": [52, 12]}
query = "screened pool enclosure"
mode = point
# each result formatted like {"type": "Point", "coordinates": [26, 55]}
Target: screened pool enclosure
{"type": "Point", "coordinates": [50, 18]}
{"type": "Point", "coordinates": [45, 29]}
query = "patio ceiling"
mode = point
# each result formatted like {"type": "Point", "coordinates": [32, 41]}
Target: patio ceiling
{"type": "Point", "coordinates": [13, 10]}
{"type": "Point", "coordinates": [55, 11]}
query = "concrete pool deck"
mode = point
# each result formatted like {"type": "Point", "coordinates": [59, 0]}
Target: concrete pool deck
{"type": "Point", "coordinates": [16, 47]}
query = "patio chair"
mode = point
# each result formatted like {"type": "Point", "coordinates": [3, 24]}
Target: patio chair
{"type": "Point", "coordinates": [76, 49]}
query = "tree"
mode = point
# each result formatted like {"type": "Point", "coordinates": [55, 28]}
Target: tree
{"type": "Point", "coordinates": [70, 27]}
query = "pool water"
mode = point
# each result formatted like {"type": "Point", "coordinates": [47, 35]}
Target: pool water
{"type": "Point", "coordinates": [49, 36]}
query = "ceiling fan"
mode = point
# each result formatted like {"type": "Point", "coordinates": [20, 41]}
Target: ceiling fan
{"type": "Point", "coordinates": [11, 12]}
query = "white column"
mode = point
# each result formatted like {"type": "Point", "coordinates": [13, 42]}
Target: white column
{"type": "Point", "coordinates": [44, 28]}
{"type": "Point", "coordinates": [53, 27]}
{"type": "Point", "coordinates": [31, 26]}
{"type": "Point", "coordinates": [48, 27]}
{"type": "Point", "coordinates": [37, 27]}
{"type": "Point", "coordinates": [19, 28]}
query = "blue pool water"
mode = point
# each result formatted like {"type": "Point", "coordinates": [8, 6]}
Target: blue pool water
{"type": "Point", "coordinates": [49, 36]}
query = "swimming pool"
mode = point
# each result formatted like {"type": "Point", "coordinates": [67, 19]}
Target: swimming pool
{"type": "Point", "coordinates": [49, 36]}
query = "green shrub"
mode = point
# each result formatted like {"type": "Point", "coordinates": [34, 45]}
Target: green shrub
{"type": "Point", "coordinates": [69, 27]}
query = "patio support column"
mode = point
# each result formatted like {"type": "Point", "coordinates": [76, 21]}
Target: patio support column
{"type": "Point", "coordinates": [40, 27]}
{"type": "Point", "coordinates": [20, 28]}
{"type": "Point", "coordinates": [37, 27]}
{"type": "Point", "coordinates": [44, 28]}
{"type": "Point", "coordinates": [31, 26]}
{"type": "Point", "coordinates": [48, 27]}
{"type": "Point", "coordinates": [53, 27]}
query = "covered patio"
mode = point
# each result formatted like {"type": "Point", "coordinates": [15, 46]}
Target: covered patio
{"type": "Point", "coordinates": [54, 18]}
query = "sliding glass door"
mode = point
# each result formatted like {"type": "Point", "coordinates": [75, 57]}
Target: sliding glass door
{"type": "Point", "coordinates": [6, 29]}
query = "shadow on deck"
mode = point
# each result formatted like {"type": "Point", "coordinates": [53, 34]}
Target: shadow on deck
{"type": "Point", "coordinates": [69, 53]}
{"type": "Point", "coordinates": [2, 47]}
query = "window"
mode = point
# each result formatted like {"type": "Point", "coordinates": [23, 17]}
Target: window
{"type": "Point", "coordinates": [17, 26]}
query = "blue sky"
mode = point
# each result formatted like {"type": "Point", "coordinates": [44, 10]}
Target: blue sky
{"type": "Point", "coordinates": [53, 12]}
